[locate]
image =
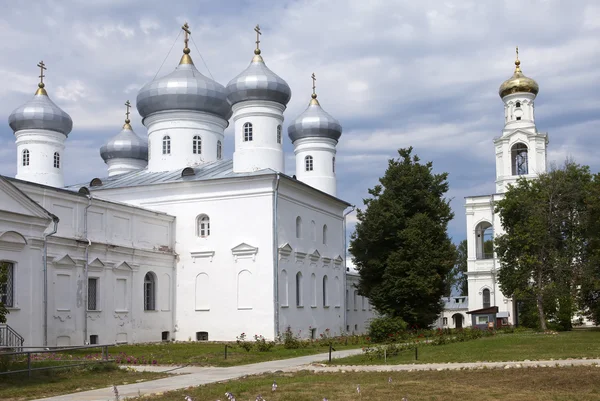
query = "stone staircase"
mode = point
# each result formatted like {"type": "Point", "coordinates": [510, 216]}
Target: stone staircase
{"type": "Point", "coordinates": [9, 338]}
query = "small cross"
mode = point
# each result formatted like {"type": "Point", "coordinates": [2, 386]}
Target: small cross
{"type": "Point", "coordinates": [128, 105]}
{"type": "Point", "coordinates": [258, 33]}
{"type": "Point", "coordinates": [186, 29]}
{"type": "Point", "coordinates": [42, 68]}
{"type": "Point", "coordinates": [314, 79]}
{"type": "Point", "coordinates": [517, 52]}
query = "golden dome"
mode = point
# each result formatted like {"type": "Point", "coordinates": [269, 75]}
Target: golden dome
{"type": "Point", "coordinates": [518, 82]}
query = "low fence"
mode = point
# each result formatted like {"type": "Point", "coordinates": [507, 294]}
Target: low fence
{"type": "Point", "coordinates": [19, 358]}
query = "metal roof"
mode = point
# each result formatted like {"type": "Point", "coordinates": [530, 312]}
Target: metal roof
{"type": "Point", "coordinates": [451, 304]}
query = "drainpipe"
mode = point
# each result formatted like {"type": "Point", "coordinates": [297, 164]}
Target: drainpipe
{"type": "Point", "coordinates": [85, 270]}
{"type": "Point", "coordinates": [276, 257]}
{"type": "Point", "coordinates": [55, 220]}
{"type": "Point", "coordinates": [345, 267]}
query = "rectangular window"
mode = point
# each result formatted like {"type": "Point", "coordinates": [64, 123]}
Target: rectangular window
{"type": "Point", "coordinates": [92, 294]}
{"type": "Point", "coordinates": [482, 319]}
{"type": "Point", "coordinates": [7, 289]}
{"type": "Point", "coordinates": [445, 321]}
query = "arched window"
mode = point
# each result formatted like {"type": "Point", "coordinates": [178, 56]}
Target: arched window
{"type": "Point", "coordinates": [347, 299]}
{"type": "Point", "coordinates": [333, 163]}
{"type": "Point", "coordinates": [197, 145]}
{"type": "Point", "coordinates": [7, 289]}
{"type": "Point", "coordinates": [203, 224]}
{"type": "Point", "coordinates": [313, 230]}
{"type": "Point", "coordinates": [279, 134]}
{"type": "Point", "coordinates": [298, 227]}
{"type": "Point", "coordinates": [166, 145]}
{"type": "Point", "coordinates": [219, 150]}
{"type": "Point", "coordinates": [518, 104]}
{"type": "Point", "coordinates": [308, 163]}
{"type": "Point", "coordinates": [56, 160]}
{"type": "Point", "coordinates": [26, 157]}
{"type": "Point", "coordinates": [484, 241]}
{"type": "Point", "coordinates": [486, 298]}
{"type": "Point", "coordinates": [325, 234]}
{"type": "Point", "coordinates": [355, 300]}
{"type": "Point", "coordinates": [149, 291]}
{"type": "Point", "coordinates": [247, 132]}
{"type": "Point", "coordinates": [519, 158]}
{"type": "Point", "coordinates": [299, 289]}
{"type": "Point", "coordinates": [313, 290]}
{"type": "Point", "coordinates": [325, 295]}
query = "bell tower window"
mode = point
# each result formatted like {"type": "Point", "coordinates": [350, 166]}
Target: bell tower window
{"type": "Point", "coordinates": [519, 159]}
{"type": "Point", "coordinates": [518, 104]}
{"type": "Point", "coordinates": [279, 134]}
{"type": "Point", "coordinates": [166, 145]}
{"type": "Point", "coordinates": [219, 150]}
{"type": "Point", "coordinates": [197, 145]}
{"type": "Point", "coordinates": [56, 160]}
{"type": "Point", "coordinates": [308, 163]}
{"type": "Point", "coordinates": [247, 132]}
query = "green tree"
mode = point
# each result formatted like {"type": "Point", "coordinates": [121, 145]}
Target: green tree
{"type": "Point", "coordinates": [589, 299]}
{"type": "Point", "coordinates": [460, 268]}
{"type": "Point", "coordinates": [543, 250]}
{"type": "Point", "coordinates": [400, 246]}
{"type": "Point", "coordinates": [3, 283]}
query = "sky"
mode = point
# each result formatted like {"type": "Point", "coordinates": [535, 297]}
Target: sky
{"type": "Point", "coordinates": [394, 73]}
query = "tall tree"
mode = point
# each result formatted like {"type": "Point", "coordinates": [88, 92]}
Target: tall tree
{"type": "Point", "coordinates": [543, 250]}
{"type": "Point", "coordinates": [589, 296]}
{"type": "Point", "coordinates": [460, 268]}
{"type": "Point", "coordinates": [400, 246]}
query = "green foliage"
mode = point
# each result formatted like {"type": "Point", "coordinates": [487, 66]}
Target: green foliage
{"type": "Point", "coordinates": [381, 328]}
{"type": "Point", "coordinates": [543, 252]}
{"type": "Point", "coordinates": [401, 247]}
{"type": "Point", "coordinates": [3, 280]}
{"type": "Point", "coordinates": [458, 276]}
{"type": "Point", "coordinates": [262, 345]}
{"type": "Point", "coordinates": [243, 343]}
{"type": "Point", "coordinates": [290, 340]}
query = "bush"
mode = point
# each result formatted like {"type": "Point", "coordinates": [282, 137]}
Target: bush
{"type": "Point", "coordinates": [289, 340]}
{"type": "Point", "coordinates": [241, 341]}
{"type": "Point", "coordinates": [383, 328]}
{"type": "Point", "coordinates": [262, 345]}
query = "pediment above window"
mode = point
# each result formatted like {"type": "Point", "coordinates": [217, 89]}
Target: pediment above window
{"type": "Point", "coordinates": [338, 260]}
{"type": "Point", "coordinates": [202, 255]}
{"type": "Point", "coordinates": [315, 256]}
{"type": "Point", "coordinates": [124, 266]}
{"type": "Point", "coordinates": [64, 262]}
{"type": "Point", "coordinates": [285, 249]}
{"type": "Point", "coordinates": [244, 251]}
{"type": "Point", "coordinates": [96, 264]}
{"type": "Point", "coordinates": [12, 240]}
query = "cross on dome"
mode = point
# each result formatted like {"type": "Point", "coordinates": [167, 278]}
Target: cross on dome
{"type": "Point", "coordinates": [127, 112]}
{"type": "Point", "coordinates": [258, 33]}
{"type": "Point", "coordinates": [41, 90]}
{"type": "Point", "coordinates": [186, 59]}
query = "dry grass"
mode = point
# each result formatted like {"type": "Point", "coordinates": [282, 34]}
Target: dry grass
{"type": "Point", "coordinates": [19, 387]}
{"type": "Point", "coordinates": [528, 384]}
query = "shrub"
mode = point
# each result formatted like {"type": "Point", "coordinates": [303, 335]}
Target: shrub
{"type": "Point", "coordinates": [290, 341]}
{"type": "Point", "coordinates": [262, 345]}
{"type": "Point", "coordinates": [385, 328]}
{"type": "Point", "coordinates": [243, 343]}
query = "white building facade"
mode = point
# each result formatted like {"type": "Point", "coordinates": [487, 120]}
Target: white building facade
{"type": "Point", "coordinates": [176, 243]}
{"type": "Point", "coordinates": [520, 152]}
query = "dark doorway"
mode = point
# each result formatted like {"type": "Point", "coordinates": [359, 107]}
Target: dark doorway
{"type": "Point", "coordinates": [458, 321]}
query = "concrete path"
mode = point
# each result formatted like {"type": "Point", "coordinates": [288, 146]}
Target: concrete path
{"type": "Point", "coordinates": [196, 376]}
{"type": "Point", "coordinates": [193, 376]}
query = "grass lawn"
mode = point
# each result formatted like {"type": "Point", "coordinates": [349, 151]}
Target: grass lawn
{"type": "Point", "coordinates": [502, 347]}
{"type": "Point", "coordinates": [19, 387]}
{"type": "Point", "coordinates": [202, 353]}
{"type": "Point", "coordinates": [532, 384]}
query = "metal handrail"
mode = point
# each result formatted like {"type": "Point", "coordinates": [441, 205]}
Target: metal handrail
{"type": "Point", "coordinates": [10, 337]}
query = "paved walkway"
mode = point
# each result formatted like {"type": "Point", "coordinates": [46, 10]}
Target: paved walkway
{"type": "Point", "coordinates": [195, 376]}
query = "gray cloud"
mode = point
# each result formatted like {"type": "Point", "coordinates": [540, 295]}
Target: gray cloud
{"type": "Point", "coordinates": [394, 73]}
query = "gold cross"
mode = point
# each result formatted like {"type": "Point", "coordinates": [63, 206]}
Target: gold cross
{"type": "Point", "coordinates": [128, 105]}
{"type": "Point", "coordinates": [314, 82]}
{"type": "Point", "coordinates": [42, 68]}
{"type": "Point", "coordinates": [186, 29]}
{"type": "Point", "coordinates": [517, 52]}
{"type": "Point", "coordinates": [258, 33]}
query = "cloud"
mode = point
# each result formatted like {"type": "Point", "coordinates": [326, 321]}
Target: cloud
{"type": "Point", "coordinates": [394, 73]}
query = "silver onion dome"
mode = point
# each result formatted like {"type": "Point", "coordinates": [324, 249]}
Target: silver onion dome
{"type": "Point", "coordinates": [125, 145]}
{"type": "Point", "coordinates": [184, 89]}
{"type": "Point", "coordinates": [258, 82]}
{"type": "Point", "coordinates": [314, 122]}
{"type": "Point", "coordinates": [40, 113]}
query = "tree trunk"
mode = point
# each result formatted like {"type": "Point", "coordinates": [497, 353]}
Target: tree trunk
{"type": "Point", "coordinates": [540, 307]}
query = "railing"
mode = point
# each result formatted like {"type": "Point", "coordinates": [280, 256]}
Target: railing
{"type": "Point", "coordinates": [14, 356]}
{"type": "Point", "coordinates": [9, 337]}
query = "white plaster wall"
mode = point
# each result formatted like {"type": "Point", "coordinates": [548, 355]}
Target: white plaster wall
{"type": "Point", "coordinates": [308, 255]}
{"type": "Point", "coordinates": [42, 144]}
{"type": "Point", "coordinates": [358, 309]}
{"type": "Point", "coordinates": [323, 152]}
{"type": "Point", "coordinates": [241, 240]}
{"type": "Point", "coordinates": [125, 242]}
{"type": "Point", "coordinates": [181, 126]}
{"type": "Point", "coordinates": [263, 151]}
{"type": "Point", "coordinates": [121, 165]}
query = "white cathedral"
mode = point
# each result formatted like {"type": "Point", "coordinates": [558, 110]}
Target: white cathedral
{"type": "Point", "coordinates": [520, 152]}
{"type": "Point", "coordinates": [176, 243]}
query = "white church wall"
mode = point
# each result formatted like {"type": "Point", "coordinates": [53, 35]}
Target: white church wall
{"type": "Point", "coordinates": [117, 250]}
{"type": "Point", "coordinates": [309, 254]}
{"type": "Point", "coordinates": [358, 309]}
{"type": "Point", "coordinates": [225, 279]}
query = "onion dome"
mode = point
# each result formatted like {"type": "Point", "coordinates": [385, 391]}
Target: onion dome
{"type": "Point", "coordinates": [125, 145]}
{"type": "Point", "coordinates": [40, 113]}
{"type": "Point", "coordinates": [314, 122]}
{"type": "Point", "coordinates": [184, 89]}
{"type": "Point", "coordinates": [258, 82]}
{"type": "Point", "coordinates": [518, 82]}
